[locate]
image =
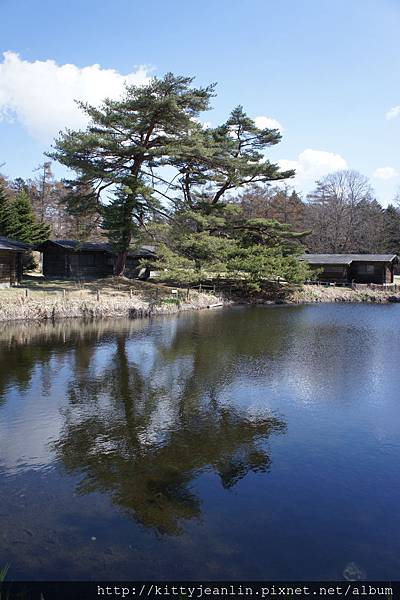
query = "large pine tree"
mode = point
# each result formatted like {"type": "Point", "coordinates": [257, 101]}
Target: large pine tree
{"type": "Point", "coordinates": [124, 144]}
{"type": "Point", "coordinates": [129, 149]}
{"type": "Point", "coordinates": [210, 235]}
{"type": "Point", "coordinates": [224, 159]}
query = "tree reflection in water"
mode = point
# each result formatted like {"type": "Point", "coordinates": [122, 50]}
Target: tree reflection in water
{"type": "Point", "coordinates": [143, 431]}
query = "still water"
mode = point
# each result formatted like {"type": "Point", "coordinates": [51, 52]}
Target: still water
{"type": "Point", "coordinates": [247, 443]}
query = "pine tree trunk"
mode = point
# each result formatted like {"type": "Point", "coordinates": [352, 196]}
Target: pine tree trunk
{"type": "Point", "coordinates": [120, 264]}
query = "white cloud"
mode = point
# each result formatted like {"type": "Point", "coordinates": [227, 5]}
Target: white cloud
{"type": "Point", "coordinates": [393, 112]}
{"type": "Point", "coordinates": [311, 165]}
{"type": "Point", "coordinates": [264, 122]}
{"type": "Point", "coordinates": [385, 173]}
{"type": "Point", "coordinates": [40, 94]}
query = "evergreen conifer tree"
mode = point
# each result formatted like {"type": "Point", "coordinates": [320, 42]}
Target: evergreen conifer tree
{"type": "Point", "coordinates": [124, 144]}
{"type": "Point", "coordinates": [4, 213]}
{"type": "Point", "coordinates": [22, 224]}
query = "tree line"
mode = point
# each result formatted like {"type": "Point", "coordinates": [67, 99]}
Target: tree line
{"type": "Point", "coordinates": [341, 214]}
{"type": "Point", "coordinates": [146, 169]}
{"type": "Point", "coordinates": [40, 207]}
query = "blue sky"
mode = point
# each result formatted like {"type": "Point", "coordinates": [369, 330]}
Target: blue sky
{"type": "Point", "coordinates": [327, 71]}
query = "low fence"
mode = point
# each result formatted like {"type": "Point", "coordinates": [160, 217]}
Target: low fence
{"type": "Point", "coordinates": [222, 288]}
{"type": "Point", "coordinates": [216, 289]}
{"type": "Point", "coordinates": [383, 287]}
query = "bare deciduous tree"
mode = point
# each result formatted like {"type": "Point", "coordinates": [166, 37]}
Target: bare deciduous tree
{"type": "Point", "coordinates": [281, 203]}
{"type": "Point", "coordinates": [337, 212]}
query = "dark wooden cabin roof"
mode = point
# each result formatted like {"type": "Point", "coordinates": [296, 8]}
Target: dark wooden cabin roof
{"type": "Point", "coordinates": [347, 259]}
{"type": "Point", "coordinates": [82, 246]}
{"type": "Point", "coordinates": [15, 245]}
{"type": "Point", "coordinates": [143, 251]}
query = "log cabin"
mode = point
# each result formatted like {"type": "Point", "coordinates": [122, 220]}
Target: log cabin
{"type": "Point", "coordinates": [65, 259]}
{"type": "Point", "coordinates": [353, 268]}
{"type": "Point", "coordinates": [11, 253]}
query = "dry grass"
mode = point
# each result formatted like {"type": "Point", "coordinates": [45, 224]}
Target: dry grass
{"type": "Point", "coordinates": [318, 293]}
{"type": "Point", "coordinates": [112, 287]}
{"type": "Point", "coordinates": [39, 299]}
{"type": "Point", "coordinates": [44, 300]}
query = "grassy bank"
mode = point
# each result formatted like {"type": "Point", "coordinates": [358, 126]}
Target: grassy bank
{"type": "Point", "coordinates": [40, 300]}
{"type": "Point", "coordinates": [318, 293]}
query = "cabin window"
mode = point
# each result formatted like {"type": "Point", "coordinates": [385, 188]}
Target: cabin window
{"type": "Point", "coordinates": [366, 269]}
{"type": "Point", "coordinates": [87, 260]}
{"type": "Point", "coordinates": [334, 269]}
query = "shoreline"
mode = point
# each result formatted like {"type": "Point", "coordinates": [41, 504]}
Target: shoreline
{"type": "Point", "coordinates": [311, 294]}
{"type": "Point", "coordinates": [50, 309]}
{"type": "Point", "coordinates": [23, 306]}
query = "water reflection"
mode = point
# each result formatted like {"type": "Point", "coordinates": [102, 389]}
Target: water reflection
{"type": "Point", "coordinates": [154, 449]}
{"type": "Point", "coordinates": [144, 417]}
{"type": "Point", "coordinates": [129, 437]}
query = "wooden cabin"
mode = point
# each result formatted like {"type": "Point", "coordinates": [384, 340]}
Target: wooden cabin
{"type": "Point", "coordinates": [11, 253]}
{"type": "Point", "coordinates": [353, 268]}
{"type": "Point", "coordinates": [64, 259]}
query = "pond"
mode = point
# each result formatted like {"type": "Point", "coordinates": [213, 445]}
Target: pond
{"type": "Point", "coordinates": [245, 443]}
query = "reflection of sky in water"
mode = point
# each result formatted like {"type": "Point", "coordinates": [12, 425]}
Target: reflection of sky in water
{"type": "Point", "coordinates": [101, 357]}
{"type": "Point", "coordinates": [29, 422]}
{"type": "Point", "coordinates": [188, 444]}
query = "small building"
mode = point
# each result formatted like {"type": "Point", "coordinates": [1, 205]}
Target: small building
{"type": "Point", "coordinates": [11, 253]}
{"type": "Point", "coordinates": [353, 268]}
{"type": "Point", "coordinates": [64, 259]}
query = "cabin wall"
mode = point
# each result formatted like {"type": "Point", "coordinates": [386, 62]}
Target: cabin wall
{"type": "Point", "coordinates": [357, 272]}
{"type": "Point", "coordinates": [334, 273]}
{"type": "Point", "coordinates": [63, 263]}
{"type": "Point", "coordinates": [389, 274]}
{"type": "Point", "coordinates": [367, 272]}
{"type": "Point", "coordinates": [132, 267]}
{"type": "Point", "coordinates": [55, 262]}
{"type": "Point", "coordinates": [8, 270]}
{"type": "Point", "coordinates": [90, 264]}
